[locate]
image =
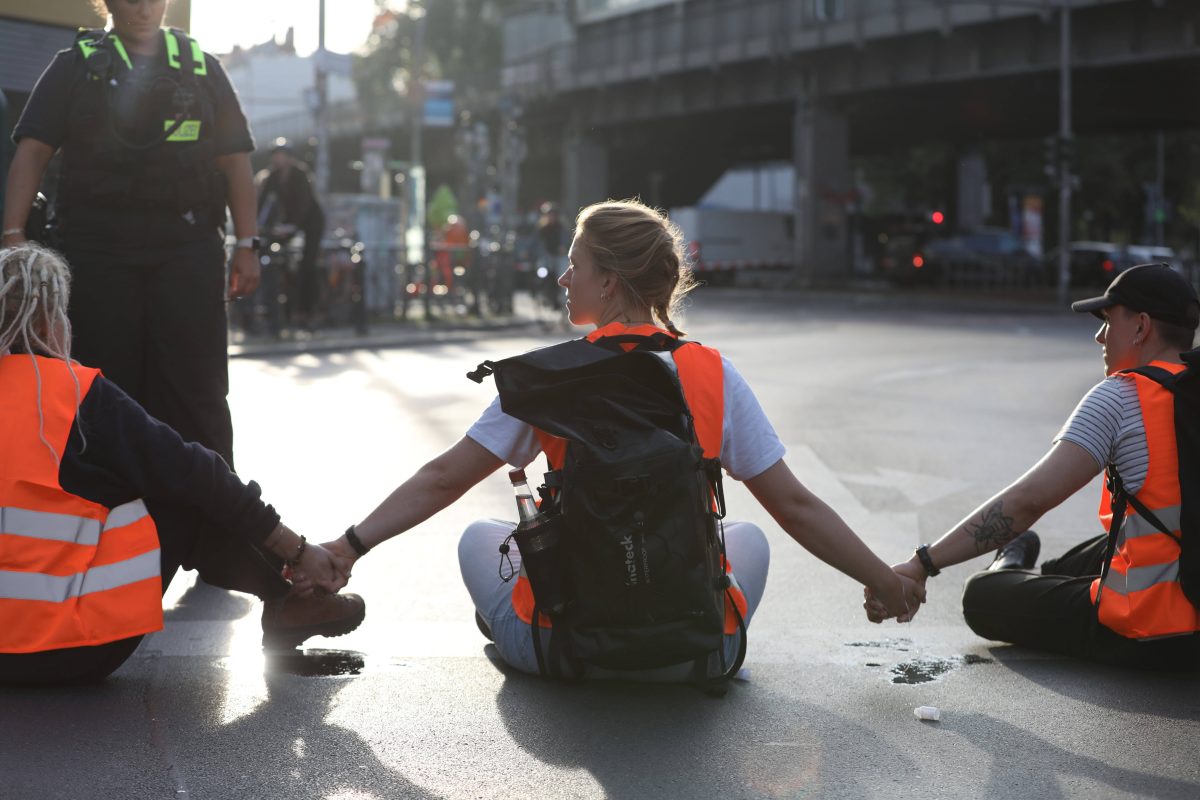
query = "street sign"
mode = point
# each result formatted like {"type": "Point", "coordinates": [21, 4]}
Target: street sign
{"type": "Point", "coordinates": [439, 104]}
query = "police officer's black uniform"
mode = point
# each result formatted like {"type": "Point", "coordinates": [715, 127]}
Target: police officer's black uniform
{"type": "Point", "coordinates": [141, 209]}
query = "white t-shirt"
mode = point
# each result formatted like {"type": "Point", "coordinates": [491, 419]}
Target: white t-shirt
{"type": "Point", "coordinates": [749, 444]}
{"type": "Point", "coordinates": [1108, 424]}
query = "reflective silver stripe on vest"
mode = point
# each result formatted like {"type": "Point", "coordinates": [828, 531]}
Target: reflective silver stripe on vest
{"type": "Point", "coordinates": [49, 526]}
{"type": "Point", "coordinates": [1135, 525]}
{"type": "Point", "coordinates": [67, 527]}
{"type": "Point", "coordinates": [58, 589]}
{"type": "Point", "coordinates": [125, 514]}
{"type": "Point", "coordinates": [1141, 578]}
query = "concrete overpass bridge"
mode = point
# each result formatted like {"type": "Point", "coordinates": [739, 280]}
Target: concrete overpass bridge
{"type": "Point", "coordinates": [659, 101]}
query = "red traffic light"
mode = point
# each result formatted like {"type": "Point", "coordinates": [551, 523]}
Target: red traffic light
{"type": "Point", "coordinates": [937, 218]}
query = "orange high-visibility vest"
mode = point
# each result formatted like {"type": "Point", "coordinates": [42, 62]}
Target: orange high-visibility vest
{"type": "Point", "coordinates": [1142, 597]}
{"type": "Point", "coordinates": [72, 572]}
{"type": "Point", "coordinates": [702, 377]}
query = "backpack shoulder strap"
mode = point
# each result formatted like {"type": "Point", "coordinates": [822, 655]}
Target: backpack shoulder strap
{"type": "Point", "coordinates": [1163, 377]}
{"type": "Point", "coordinates": [657, 343]}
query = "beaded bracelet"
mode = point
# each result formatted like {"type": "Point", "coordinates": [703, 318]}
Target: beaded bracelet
{"type": "Point", "coordinates": [300, 548]}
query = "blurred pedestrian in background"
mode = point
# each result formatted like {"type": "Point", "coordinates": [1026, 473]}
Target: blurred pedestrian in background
{"type": "Point", "coordinates": [154, 145]}
{"type": "Point", "coordinates": [287, 205]}
{"type": "Point", "coordinates": [550, 232]}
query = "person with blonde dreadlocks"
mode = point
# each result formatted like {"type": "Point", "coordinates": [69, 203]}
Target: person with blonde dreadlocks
{"type": "Point", "coordinates": [100, 505]}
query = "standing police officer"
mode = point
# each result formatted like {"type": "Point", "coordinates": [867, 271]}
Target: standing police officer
{"type": "Point", "coordinates": [154, 146]}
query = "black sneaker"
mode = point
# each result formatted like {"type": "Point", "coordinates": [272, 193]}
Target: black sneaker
{"type": "Point", "coordinates": [1021, 553]}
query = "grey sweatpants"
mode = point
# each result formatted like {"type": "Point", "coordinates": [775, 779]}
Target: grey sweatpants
{"type": "Point", "coordinates": [479, 558]}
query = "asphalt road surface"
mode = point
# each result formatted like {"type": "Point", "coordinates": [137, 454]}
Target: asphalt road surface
{"type": "Point", "coordinates": [903, 414]}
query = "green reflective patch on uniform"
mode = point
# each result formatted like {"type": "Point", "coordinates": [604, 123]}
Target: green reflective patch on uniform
{"type": "Point", "coordinates": [201, 66]}
{"type": "Point", "coordinates": [172, 49]}
{"type": "Point", "coordinates": [188, 131]}
{"type": "Point", "coordinates": [120, 47]}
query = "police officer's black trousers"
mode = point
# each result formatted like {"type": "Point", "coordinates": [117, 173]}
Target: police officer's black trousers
{"type": "Point", "coordinates": [154, 322]}
{"type": "Point", "coordinates": [227, 561]}
{"type": "Point", "coordinates": [1052, 610]}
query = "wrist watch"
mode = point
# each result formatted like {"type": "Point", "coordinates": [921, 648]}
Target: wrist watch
{"type": "Point", "coordinates": [927, 562]}
{"type": "Point", "coordinates": [249, 243]}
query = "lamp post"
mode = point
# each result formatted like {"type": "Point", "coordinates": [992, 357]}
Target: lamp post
{"type": "Point", "coordinates": [322, 120]}
{"type": "Point", "coordinates": [1064, 166]}
{"type": "Point", "coordinates": [418, 236]}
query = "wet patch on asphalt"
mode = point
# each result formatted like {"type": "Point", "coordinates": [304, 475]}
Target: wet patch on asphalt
{"type": "Point", "coordinates": [924, 670]}
{"type": "Point", "coordinates": [917, 670]}
{"type": "Point", "coordinates": [314, 663]}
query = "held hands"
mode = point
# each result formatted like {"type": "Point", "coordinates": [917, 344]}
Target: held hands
{"type": "Point", "coordinates": [901, 598]}
{"type": "Point", "coordinates": [317, 571]}
{"type": "Point", "coordinates": [343, 554]}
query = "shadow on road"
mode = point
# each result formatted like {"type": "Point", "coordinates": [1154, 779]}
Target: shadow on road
{"type": "Point", "coordinates": [1167, 695]}
{"type": "Point", "coordinates": [284, 747]}
{"type": "Point", "coordinates": [1026, 765]}
{"type": "Point", "coordinates": [640, 740]}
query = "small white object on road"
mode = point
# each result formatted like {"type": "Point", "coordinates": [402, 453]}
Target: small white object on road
{"type": "Point", "coordinates": [743, 674]}
{"type": "Point", "coordinates": [930, 713]}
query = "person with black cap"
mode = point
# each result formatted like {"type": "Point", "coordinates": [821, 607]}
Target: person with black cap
{"type": "Point", "coordinates": [1115, 598]}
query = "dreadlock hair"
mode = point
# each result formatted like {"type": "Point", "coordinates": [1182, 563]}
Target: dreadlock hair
{"type": "Point", "coordinates": [644, 249]}
{"type": "Point", "coordinates": [34, 291]}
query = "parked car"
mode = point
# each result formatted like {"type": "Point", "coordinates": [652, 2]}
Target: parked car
{"type": "Point", "coordinates": [902, 260]}
{"type": "Point", "coordinates": [895, 245]}
{"type": "Point", "coordinates": [1092, 263]}
{"type": "Point", "coordinates": [991, 256]}
{"type": "Point", "coordinates": [1153, 254]}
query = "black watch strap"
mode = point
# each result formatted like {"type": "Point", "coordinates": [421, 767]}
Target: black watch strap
{"type": "Point", "coordinates": [926, 561]}
{"type": "Point", "coordinates": [356, 542]}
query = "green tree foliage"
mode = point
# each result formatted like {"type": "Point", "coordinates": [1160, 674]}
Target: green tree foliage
{"type": "Point", "coordinates": [441, 207]}
{"type": "Point", "coordinates": [461, 43]}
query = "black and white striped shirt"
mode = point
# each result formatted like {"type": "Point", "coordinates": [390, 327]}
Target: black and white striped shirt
{"type": "Point", "coordinates": [1108, 424]}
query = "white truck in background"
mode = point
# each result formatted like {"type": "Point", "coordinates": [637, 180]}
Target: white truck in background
{"type": "Point", "coordinates": [722, 243]}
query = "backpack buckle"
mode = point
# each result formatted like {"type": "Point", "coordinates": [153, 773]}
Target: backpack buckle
{"type": "Point", "coordinates": [482, 371]}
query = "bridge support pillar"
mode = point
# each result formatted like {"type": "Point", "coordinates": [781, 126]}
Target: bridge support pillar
{"type": "Point", "coordinates": [974, 198]}
{"type": "Point", "coordinates": [585, 172]}
{"type": "Point", "coordinates": [824, 191]}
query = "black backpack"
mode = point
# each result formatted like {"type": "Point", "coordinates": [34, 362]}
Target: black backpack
{"type": "Point", "coordinates": [1185, 386]}
{"type": "Point", "coordinates": [633, 577]}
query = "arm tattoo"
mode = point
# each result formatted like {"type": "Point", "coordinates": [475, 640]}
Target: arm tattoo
{"type": "Point", "coordinates": [993, 529]}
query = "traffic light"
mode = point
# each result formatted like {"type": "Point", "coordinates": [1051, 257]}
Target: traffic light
{"type": "Point", "coordinates": [1058, 149]}
{"type": "Point", "coordinates": [937, 217]}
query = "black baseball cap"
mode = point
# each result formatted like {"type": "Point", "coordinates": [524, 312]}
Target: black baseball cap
{"type": "Point", "coordinates": [1155, 289]}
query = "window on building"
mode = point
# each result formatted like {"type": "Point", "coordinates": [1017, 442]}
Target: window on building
{"type": "Point", "coordinates": [828, 10]}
